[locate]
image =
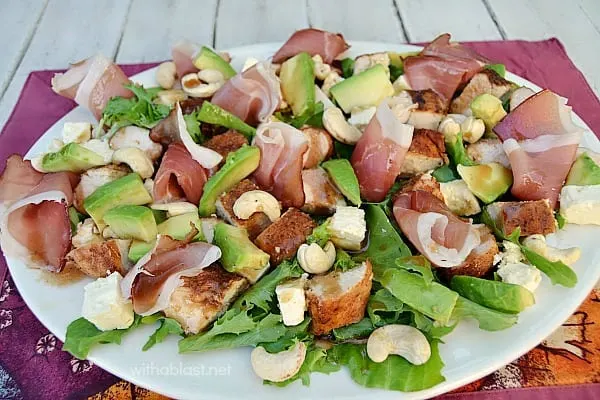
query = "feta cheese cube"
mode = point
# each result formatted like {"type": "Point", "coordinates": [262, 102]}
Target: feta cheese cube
{"type": "Point", "coordinates": [76, 132]}
{"type": "Point", "coordinates": [348, 227]}
{"type": "Point", "coordinates": [104, 305]}
{"type": "Point", "coordinates": [521, 274]}
{"type": "Point", "coordinates": [511, 254]}
{"type": "Point", "coordinates": [292, 301]}
{"type": "Point", "coordinates": [459, 198]}
{"type": "Point", "coordinates": [580, 204]}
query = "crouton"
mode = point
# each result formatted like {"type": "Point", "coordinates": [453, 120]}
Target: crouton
{"type": "Point", "coordinates": [430, 109]}
{"type": "Point", "coordinates": [339, 298]}
{"type": "Point", "coordinates": [481, 259]}
{"type": "Point", "coordinates": [320, 194]}
{"type": "Point", "coordinates": [92, 179]}
{"type": "Point", "coordinates": [283, 237]}
{"type": "Point", "coordinates": [99, 260]}
{"type": "Point", "coordinates": [226, 143]}
{"type": "Point", "coordinates": [320, 146]}
{"type": "Point", "coordinates": [134, 136]}
{"type": "Point", "coordinates": [486, 151]}
{"type": "Point", "coordinates": [531, 216]}
{"type": "Point", "coordinates": [254, 225]}
{"type": "Point", "coordinates": [204, 298]}
{"type": "Point", "coordinates": [427, 151]}
{"type": "Point", "coordinates": [486, 81]}
{"type": "Point", "coordinates": [424, 182]}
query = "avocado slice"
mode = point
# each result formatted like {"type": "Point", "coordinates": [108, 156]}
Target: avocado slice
{"type": "Point", "coordinates": [138, 249]}
{"type": "Point", "coordinates": [215, 115]}
{"type": "Point", "coordinates": [489, 109]}
{"type": "Point", "coordinates": [298, 83]}
{"type": "Point", "coordinates": [179, 226]}
{"type": "Point", "coordinates": [240, 255]}
{"type": "Point", "coordinates": [585, 171]}
{"type": "Point", "coordinates": [239, 165]}
{"type": "Point", "coordinates": [486, 181]}
{"type": "Point", "coordinates": [500, 296]}
{"type": "Point", "coordinates": [72, 157]}
{"type": "Point", "coordinates": [208, 59]}
{"type": "Point", "coordinates": [363, 90]}
{"type": "Point", "coordinates": [132, 222]}
{"type": "Point", "coordinates": [342, 174]}
{"type": "Point", "coordinates": [128, 190]}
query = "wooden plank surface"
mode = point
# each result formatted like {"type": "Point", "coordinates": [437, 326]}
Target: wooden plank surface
{"type": "Point", "coordinates": [243, 22]}
{"type": "Point", "coordinates": [153, 26]}
{"type": "Point", "coordinates": [373, 20]}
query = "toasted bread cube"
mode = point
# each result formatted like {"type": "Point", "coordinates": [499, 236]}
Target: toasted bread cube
{"type": "Point", "coordinates": [226, 143]}
{"type": "Point", "coordinates": [99, 260]}
{"type": "Point", "coordinates": [486, 81]}
{"type": "Point", "coordinates": [486, 151]}
{"type": "Point", "coordinates": [481, 259]}
{"type": "Point", "coordinates": [425, 182]}
{"type": "Point", "coordinates": [531, 216]}
{"type": "Point", "coordinates": [427, 151]}
{"type": "Point", "coordinates": [254, 225]}
{"type": "Point", "coordinates": [430, 109]}
{"type": "Point", "coordinates": [320, 194]}
{"type": "Point", "coordinates": [320, 146]}
{"type": "Point", "coordinates": [204, 298]}
{"type": "Point", "coordinates": [283, 237]}
{"type": "Point", "coordinates": [339, 298]}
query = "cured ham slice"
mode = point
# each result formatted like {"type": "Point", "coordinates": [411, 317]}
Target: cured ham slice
{"type": "Point", "coordinates": [281, 156]}
{"type": "Point", "coordinates": [183, 56]}
{"type": "Point", "coordinates": [541, 165]}
{"type": "Point", "coordinates": [544, 113]}
{"type": "Point", "coordinates": [312, 41]}
{"type": "Point", "coordinates": [379, 153]}
{"type": "Point", "coordinates": [91, 83]}
{"type": "Point", "coordinates": [441, 46]}
{"type": "Point", "coordinates": [434, 230]}
{"type": "Point", "coordinates": [178, 177]}
{"type": "Point", "coordinates": [167, 130]}
{"type": "Point", "coordinates": [153, 279]}
{"type": "Point", "coordinates": [18, 179]}
{"type": "Point", "coordinates": [252, 95]}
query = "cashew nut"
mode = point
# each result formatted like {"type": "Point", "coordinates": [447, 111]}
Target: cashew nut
{"type": "Point", "coordinates": [366, 61]}
{"type": "Point", "coordinates": [175, 208]}
{"type": "Point", "coordinates": [321, 69]}
{"type": "Point", "coordinates": [137, 160]}
{"type": "Point", "coordinates": [314, 259]}
{"type": "Point", "coordinates": [165, 74]}
{"type": "Point", "coordinates": [339, 128]}
{"type": "Point", "coordinates": [402, 340]}
{"type": "Point", "coordinates": [280, 366]}
{"type": "Point", "coordinates": [538, 244]}
{"type": "Point", "coordinates": [170, 97]}
{"type": "Point", "coordinates": [450, 126]}
{"type": "Point", "coordinates": [472, 129]}
{"type": "Point", "coordinates": [211, 76]}
{"type": "Point", "coordinates": [332, 79]}
{"type": "Point", "coordinates": [193, 86]}
{"type": "Point", "coordinates": [256, 201]}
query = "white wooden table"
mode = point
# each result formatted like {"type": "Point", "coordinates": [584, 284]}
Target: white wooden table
{"type": "Point", "coordinates": [46, 34]}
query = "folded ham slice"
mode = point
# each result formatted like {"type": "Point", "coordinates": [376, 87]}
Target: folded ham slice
{"type": "Point", "coordinates": [541, 165]}
{"type": "Point", "coordinates": [379, 153]}
{"type": "Point", "coordinates": [153, 279]}
{"type": "Point", "coordinates": [282, 148]}
{"type": "Point", "coordinates": [544, 113]}
{"type": "Point", "coordinates": [91, 83]}
{"type": "Point", "coordinates": [252, 95]}
{"type": "Point", "coordinates": [179, 177]}
{"type": "Point", "coordinates": [434, 230]}
{"type": "Point", "coordinates": [312, 41]}
{"type": "Point", "coordinates": [18, 179]}
{"type": "Point", "coordinates": [183, 56]}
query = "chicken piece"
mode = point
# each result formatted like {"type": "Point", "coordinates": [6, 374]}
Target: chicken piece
{"type": "Point", "coordinates": [87, 233]}
{"type": "Point", "coordinates": [92, 179]}
{"type": "Point", "coordinates": [320, 194]}
{"type": "Point", "coordinates": [430, 109]}
{"type": "Point", "coordinates": [486, 81]}
{"type": "Point", "coordinates": [134, 136]}
{"type": "Point", "coordinates": [283, 237]}
{"type": "Point", "coordinates": [99, 260]}
{"type": "Point", "coordinates": [486, 151]}
{"type": "Point", "coordinates": [427, 151]}
{"type": "Point", "coordinates": [254, 225]}
{"type": "Point", "coordinates": [424, 182]}
{"type": "Point", "coordinates": [320, 146]}
{"type": "Point", "coordinates": [226, 143]}
{"type": "Point", "coordinates": [481, 259]}
{"type": "Point", "coordinates": [531, 216]}
{"type": "Point", "coordinates": [339, 298]}
{"type": "Point", "coordinates": [204, 298]}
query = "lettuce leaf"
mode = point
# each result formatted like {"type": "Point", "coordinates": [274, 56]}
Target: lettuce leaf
{"type": "Point", "coordinates": [500, 296]}
{"type": "Point", "coordinates": [347, 67]}
{"type": "Point", "coordinates": [342, 174]}
{"type": "Point", "coordinates": [293, 334]}
{"type": "Point", "coordinates": [488, 319]}
{"type": "Point", "coordinates": [140, 111]}
{"type": "Point", "coordinates": [445, 174]}
{"type": "Point", "coordinates": [320, 235]}
{"type": "Point", "coordinates": [418, 264]}
{"type": "Point", "coordinates": [357, 330]}
{"type": "Point", "coordinates": [315, 361]}
{"type": "Point", "coordinates": [167, 326]}
{"type": "Point", "coordinates": [457, 152]}
{"type": "Point", "coordinates": [313, 116]}
{"type": "Point", "coordinates": [383, 308]}
{"type": "Point", "coordinates": [343, 261]}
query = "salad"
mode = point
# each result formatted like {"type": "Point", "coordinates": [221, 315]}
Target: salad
{"type": "Point", "coordinates": [329, 212]}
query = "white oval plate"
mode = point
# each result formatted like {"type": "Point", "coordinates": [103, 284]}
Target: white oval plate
{"type": "Point", "coordinates": [469, 353]}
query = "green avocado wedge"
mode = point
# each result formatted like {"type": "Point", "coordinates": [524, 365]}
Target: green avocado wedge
{"type": "Point", "coordinates": [585, 171]}
{"type": "Point", "coordinates": [365, 89]}
{"type": "Point", "coordinates": [208, 59]}
{"type": "Point", "coordinates": [500, 296]}
{"type": "Point", "coordinates": [132, 222]}
{"type": "Point", "coordinates": [342, 174]}
{"type": "Point", "coordinates": [298, 83]}
{"type": "Point", "coordinates": [486, 181]}
{"type": "Point", "coordinates": [73, 158]}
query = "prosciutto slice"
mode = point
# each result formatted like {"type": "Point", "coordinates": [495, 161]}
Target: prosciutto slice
{"type": "Point", "coordinates": [312, 41]}
{"type": "Point", "coordinates": [434, 230]}
{"type": "Point", "coordinates": [281, 156]}
{"type": "Point", "coordinates": [179, 177]}
{"type": "Point", "coordinates": [153, 279]}
{"type": "Point", "coordinates": [379, 153]}
{"type": "Point", "coordinates": [183, 53]}
{"type": "Point", "coordinates": [541, 165]}
{"type": "Point", "coordinates": [91, 83]}
{"type": "Point", "coordinates": [544, 113]}
{"type": "Point", "coordinates": [252, 95]}
{"type": "Point", "coordinates": [18, 179]}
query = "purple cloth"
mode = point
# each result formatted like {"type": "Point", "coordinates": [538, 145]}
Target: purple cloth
{"type": "Point", "coordinates": [31, 363]}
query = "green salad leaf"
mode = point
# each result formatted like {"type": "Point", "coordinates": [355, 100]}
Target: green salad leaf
{"type": "Point", "coordinates": [395, 72]}
{"type": "Point", "coordinates": [560, 220]}
{"type": "Point", "coordinates": [343, 261]}
{"type": "Point", "coordinates": [384, 308]}
{"type": "Point", "coordinates": [193, 126]}
{"type": "Point", "coordinates": [457, 152]}
{"type": "Point", "coordinates": [293, 334]}
{"type": "Point", "coordinates": [342, 174]}
{"type": "Point", "coordinates": [488, 319]}
{"type": "Point", "coordinates": [356, 330]}
{"type": "Point", "coordinates": [558, 272]}
{"type": "Point", "coordinates": [167, 326]}
{"type": "Point", "coordinates": [417, 264]}
{"type": "Point", "coordinates": [445, 174]}
{"type": "Point", "coordinates": [395, 373]}
{"type": "Point", "coordinates": [347, 67]}
{"type": "Point", "coordinates": [320, 235]}
{"type": "Point", "coordinates": [500, 69]}
{"type": "Point", "coordinates": [312, 116]}
{"type": "Point", "coordinates": [342, 150]}
{"type": "Point", "coordinates": [315, 361]}
{"type": "Point", "coordinates": [500, 296]}
{"type": "Point", "coordinates": [215, 115]}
